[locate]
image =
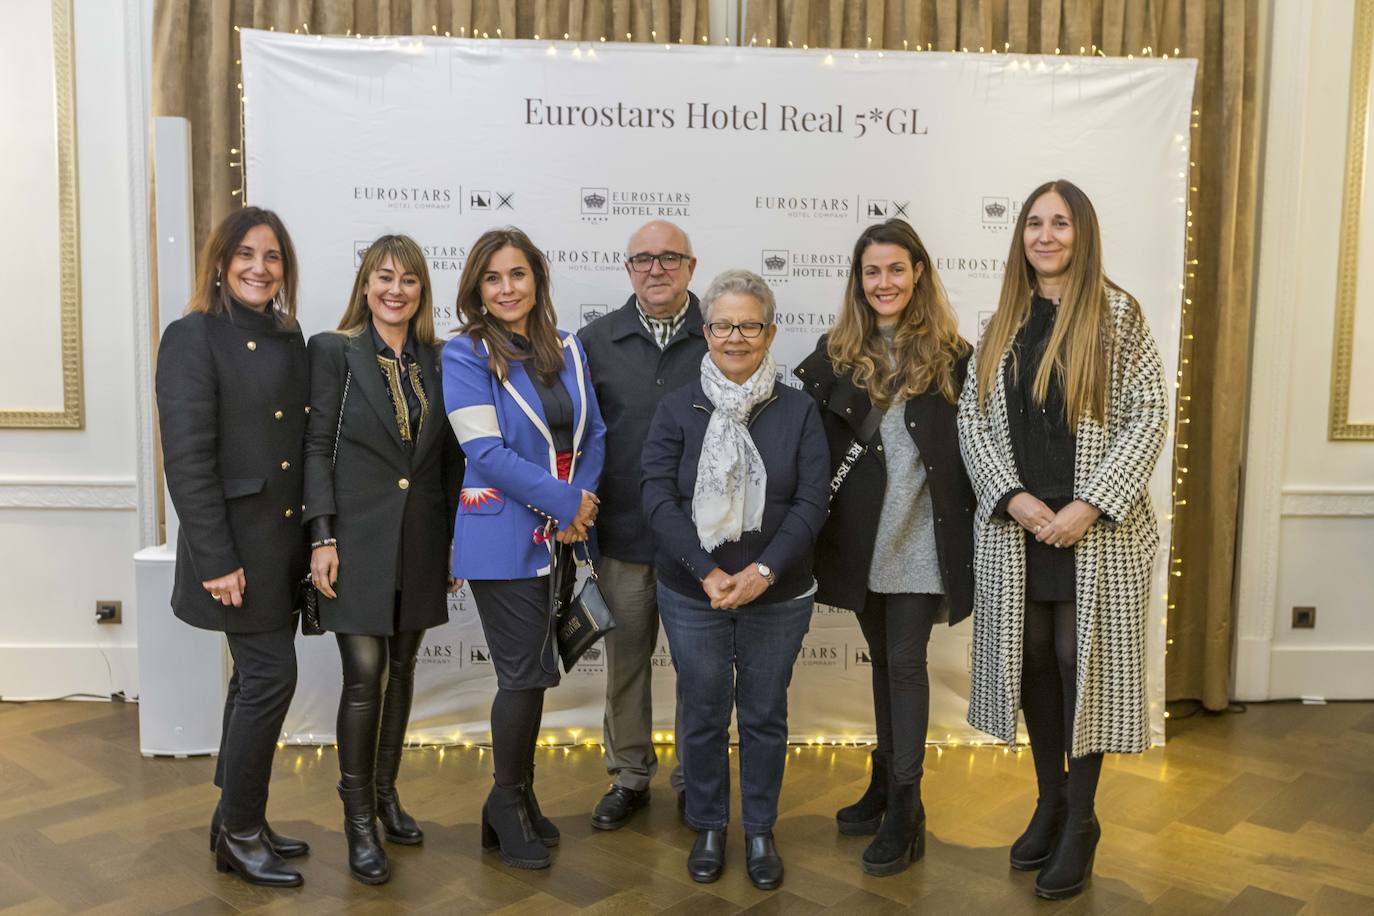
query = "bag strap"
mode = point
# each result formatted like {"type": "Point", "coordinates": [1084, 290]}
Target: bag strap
{"type": "Point", "coordinates": [857, 449]}
{"type": "Point", "coordinates": [338, 430]}
{"type": "Point", "coordinates": [591, 567]}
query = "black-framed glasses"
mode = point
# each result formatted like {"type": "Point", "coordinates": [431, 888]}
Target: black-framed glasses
{"type": "Point", "coordinates": [644, 262]}
{"type": "Point", "coordinates": [747, 329]}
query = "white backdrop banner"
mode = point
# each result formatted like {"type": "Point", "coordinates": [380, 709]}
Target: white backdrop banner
{"type": "Point", "coordinates": [772, 160]}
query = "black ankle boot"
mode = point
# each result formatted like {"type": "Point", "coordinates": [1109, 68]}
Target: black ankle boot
{"type": "Point", "coordinates": [1032, 849]}
{"type": "Point", "coordinates": [544, 828]}
{"type": "Point", "coordinates": [506, 825]}
{"type": "Point", "coordinates": [397, 825]}
{"type": "Point", "coordinates": [248, 854]}
{"type": "Point", "coordinates": [366, 858]}
{"type": "Point", "coordinates": [902, 838]}
{"type": "Point", "coordinates": [1071, 864]}
{"type": "Point", "coordinates": [863, 817]}
{"type": "Point", "coordinates": [284, 846]}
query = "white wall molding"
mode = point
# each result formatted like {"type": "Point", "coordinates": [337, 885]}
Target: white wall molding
{"type": "Point", "coordinates": [68, 493]}
{"type": "Point", "coordinates": [1331, 672]}
{"type": "Point", "coordinates": [1277, 302]}
{"type": "Point", "coordinates": [1328, 502]}
{"type": "Point", "coordinates": [138, 17]}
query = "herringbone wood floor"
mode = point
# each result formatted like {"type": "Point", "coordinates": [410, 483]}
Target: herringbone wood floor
{"type": "Point", "coordinates": [1267, 812]}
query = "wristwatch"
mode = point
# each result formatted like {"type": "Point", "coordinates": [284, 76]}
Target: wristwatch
{"type": "Point", "coordinates": [766, 573]}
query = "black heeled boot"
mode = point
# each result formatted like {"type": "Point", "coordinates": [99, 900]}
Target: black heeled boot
{"type": "Point", "coordinates": [864, 816]}
{"type": "Point", "coordinates": [506, 826]}
{"type": "Point", "coordinates": [1032, 849]}
{"type": "Point", "coordinates": [545, 829]}
{"type": "Point", "coordinates": [366, 858]}
{"type": "Point", "coordinates": [284, 846]}
{"type": "Point", "coordinates": [902, 838]}
{"type": "Point", "coordinates": [248, 855]}
{"type": "Point", "coordinates": [1071, 864]}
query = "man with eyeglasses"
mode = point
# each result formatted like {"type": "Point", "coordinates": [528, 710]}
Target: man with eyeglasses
{"type": "Point", "coordinates": [637, 354]}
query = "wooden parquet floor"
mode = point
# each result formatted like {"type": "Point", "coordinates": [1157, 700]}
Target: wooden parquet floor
{"type": "Point", "coordinates": [1269, 812]}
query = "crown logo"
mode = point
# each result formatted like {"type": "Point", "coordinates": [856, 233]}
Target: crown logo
{"type": "Point", "coordinates": [775, 262]}
{"type": "Point", "coordinates": [594, 200]}
{"type": "Point", "coordinates": [995, 209]}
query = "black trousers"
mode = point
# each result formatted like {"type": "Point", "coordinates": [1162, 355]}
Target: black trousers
{"type": "Point", "coordinates": [1049, 690]}
{"type": "Point", "coordinates": [260, 691]}
{"type": "Point", "coordinates": [897, 628]}
{"type": "Point", "coordinates": [366, 721]}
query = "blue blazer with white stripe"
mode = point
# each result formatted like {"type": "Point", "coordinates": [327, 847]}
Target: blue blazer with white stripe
{"type": "Point", "coordinates": [510, 486]}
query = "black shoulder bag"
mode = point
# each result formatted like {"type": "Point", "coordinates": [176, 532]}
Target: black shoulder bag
{"type": "Point", "coordinates": [307, 596]}
{"type": "Point", "coordinates": [584, 619]}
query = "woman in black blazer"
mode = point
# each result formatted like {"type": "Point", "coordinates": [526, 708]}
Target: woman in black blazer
{"type": "Point", "coordinates": [898, 546]}
{"type": "Point", "coordinates": [382, 472]}
{"type": "Point", "coordinates": [232, 383]}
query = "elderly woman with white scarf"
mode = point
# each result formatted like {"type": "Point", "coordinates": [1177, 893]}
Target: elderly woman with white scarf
{"type": "Point", "coordinates": [736, 488]}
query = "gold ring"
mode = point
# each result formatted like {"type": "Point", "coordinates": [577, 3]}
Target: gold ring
{"type": "Point", "coordinates": [215, 595]}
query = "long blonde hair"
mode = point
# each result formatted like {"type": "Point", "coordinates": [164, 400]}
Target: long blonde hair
{"type": "Point", "coordinates": [1076, 353]}
{"type": "Point", "coordinates": [409, 259]}
{"type": "Point", "coordinates": [927, 343]}
{"type": "Point", "coordinates": [211, 294]}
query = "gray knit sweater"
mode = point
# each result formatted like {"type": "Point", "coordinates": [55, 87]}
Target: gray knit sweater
{"type": "Point", "coordinates": [904, 557]}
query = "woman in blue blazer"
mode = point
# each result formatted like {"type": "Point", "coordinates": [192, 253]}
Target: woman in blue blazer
{"type": "Point", "coordinates": [521, 403]}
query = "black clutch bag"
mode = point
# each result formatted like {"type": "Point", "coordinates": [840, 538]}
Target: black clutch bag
{"type": "Point", "coordinates": [583, 620]}
{"type": "Point", "coordinates": [308, 606]}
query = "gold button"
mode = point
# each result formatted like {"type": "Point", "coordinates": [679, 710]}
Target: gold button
{"type": "Point", "coordinates": [403, 484]}
{"type": "Point", "coordinates": [286, 465]}
{"type": "Point", "coordinates": [289, 512]}
{"type": "Point", "coordinates": [307, 408]}
{"type": "Point", "coordinates": [279, 415]}
{"type": "Point", "coordinates": [252, 344]}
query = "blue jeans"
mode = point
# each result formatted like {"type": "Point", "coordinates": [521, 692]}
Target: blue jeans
{"type": "Point", "coordinates": [740, 660]}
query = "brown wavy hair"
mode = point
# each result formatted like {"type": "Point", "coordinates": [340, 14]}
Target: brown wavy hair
{"type": "Point", "coordinates": [409, 258]}
{"type": "Point", "coordinates": [1076, 353]}
{"type": "Point", "coordinates": [542, 326]}
{"type": "Point", "coordinates": [927, 343]}
{"type": "Point", "coordinates": [211, 294]}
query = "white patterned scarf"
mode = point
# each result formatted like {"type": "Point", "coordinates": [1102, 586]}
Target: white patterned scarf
{"type": "Point", "coordinates": [729, 494]}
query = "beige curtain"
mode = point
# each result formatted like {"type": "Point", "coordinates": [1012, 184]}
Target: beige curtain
{"type": "Point", "coordinates": [1214, 354]}
{"type": "Point", "coordinates": [195, 75]}
{"type": "Point", "coordinates": [196, 50]}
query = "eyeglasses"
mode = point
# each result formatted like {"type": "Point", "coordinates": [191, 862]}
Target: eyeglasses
{"type": "Point", "coordinates": [668, 260]}
{"type": "Point", "coordinates": [747, 329]}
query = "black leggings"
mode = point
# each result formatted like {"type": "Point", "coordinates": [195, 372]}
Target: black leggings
{"type": "Point", "coordinates": [515, 716]}
{"type": "Point", "coordinates": [897, 628]}
{"type": "Point", "coordinates": [1048, 688]}
{"type": "Point", "coordinates": [365, 720]}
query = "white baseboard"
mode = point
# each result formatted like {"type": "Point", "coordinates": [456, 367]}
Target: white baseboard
{"type": "Point", "coordinates": [40, 672]}
{"type": "Point", "coordinates": [1333, 673]}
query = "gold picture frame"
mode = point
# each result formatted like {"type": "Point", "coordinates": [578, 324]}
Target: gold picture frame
{"type": "Point", "coordinates": [72, 414]}
{"type": "Point", "coordinates": [1343, 353]}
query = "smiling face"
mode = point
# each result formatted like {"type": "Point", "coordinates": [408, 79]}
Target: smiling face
{"type": "Point", "coordinates": [737, 356]}
{"type": "Point", "coordinates": [256, 270]}
{"type": "Point", "coordinates": [660, 291]}
{"type": "Point", "coordinates": [889, 280]}
{"type": "Point", "coordinates": [1049, 236]}
{"type": "Point", "coordinates": [393, 296]}
{"type": "Point", "coordinates": [507, 288]}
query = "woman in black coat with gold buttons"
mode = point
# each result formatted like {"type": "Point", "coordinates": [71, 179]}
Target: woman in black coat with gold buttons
{"type": "Point", "coordinates": [898, 546]}
{"type": "Point", "coordinates": [232, 384]}
{"type": "Point", "coordinates": [382, 474]}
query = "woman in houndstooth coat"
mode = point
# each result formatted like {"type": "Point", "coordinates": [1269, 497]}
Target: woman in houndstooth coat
{"type": "Point", "coordinates": [1060, 427]}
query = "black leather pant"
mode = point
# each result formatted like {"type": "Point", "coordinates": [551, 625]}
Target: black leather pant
{"type": "Point", "coordinates": [372, 721]}
{"type": "Point", "coordinates": [897, 628]}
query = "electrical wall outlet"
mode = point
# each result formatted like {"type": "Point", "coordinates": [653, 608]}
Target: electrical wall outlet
{"type": "Point", "coordinates": [1304, 618]}
{"type": "Point", "coordinates": [109, 612]}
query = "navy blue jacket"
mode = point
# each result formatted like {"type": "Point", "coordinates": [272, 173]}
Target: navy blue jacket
{"type": "Point", "coordinates": [787, 431]}
{"type": "Point", "coordinates": [631, 375]}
